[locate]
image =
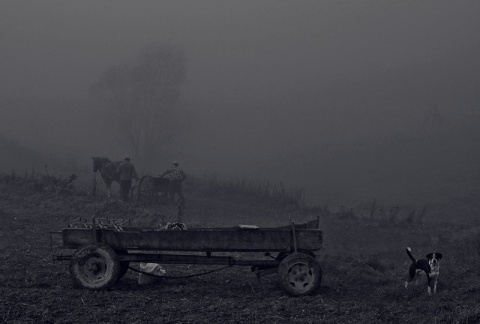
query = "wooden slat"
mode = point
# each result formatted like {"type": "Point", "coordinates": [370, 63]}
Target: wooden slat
{"type": "Point", "coordinates": [209, 239]}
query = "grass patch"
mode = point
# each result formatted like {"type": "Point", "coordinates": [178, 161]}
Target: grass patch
{"type": "Point", "coordinates": [252, 191]}
{"type": "Point", "coordinates": [364, 262]}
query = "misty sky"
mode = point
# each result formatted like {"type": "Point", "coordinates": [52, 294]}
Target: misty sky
{"type": "Point", "coordinates": [263, 76]}
{"type": "Point", "coordinates": [235, 49]}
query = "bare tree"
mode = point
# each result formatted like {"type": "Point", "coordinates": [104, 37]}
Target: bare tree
{"type": "Point", "coordinates": [139, 100]}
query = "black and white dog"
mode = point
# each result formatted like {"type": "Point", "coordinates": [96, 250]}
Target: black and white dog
{"type": "Point", "coordinates": [431, 267]}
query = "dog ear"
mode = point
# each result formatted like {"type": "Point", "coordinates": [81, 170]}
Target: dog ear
{"type": "Point", "coordinates": [429, 256]}
{"type": "Point", "coordinates": [438, 255]}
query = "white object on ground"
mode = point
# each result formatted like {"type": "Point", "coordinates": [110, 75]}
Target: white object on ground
{"type": "Point", "coordinates": [152, 268]}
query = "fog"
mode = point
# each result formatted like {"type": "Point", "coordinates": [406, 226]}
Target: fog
{"type": "Point", "coordinates": [352, 100]}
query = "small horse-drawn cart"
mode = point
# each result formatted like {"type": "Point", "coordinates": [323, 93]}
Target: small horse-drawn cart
{"type": "Point", "coordinates": [102, 254]}
{"type": "Point", "coordinates": [150, 189]}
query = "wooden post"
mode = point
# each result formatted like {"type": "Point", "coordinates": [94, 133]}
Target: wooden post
{"type": "Point", "coordinates": [294, 238]}
{"type": "Point", "coordinates": [94, 229]}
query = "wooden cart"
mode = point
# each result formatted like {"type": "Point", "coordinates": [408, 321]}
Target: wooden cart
{"type": "Point", "coordinates": [101, 254]}
{"type": "Point", "coordinates": [151, 189]}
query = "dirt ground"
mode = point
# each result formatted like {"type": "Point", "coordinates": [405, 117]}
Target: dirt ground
{"type": "Point", "coordinates": [363, 262]}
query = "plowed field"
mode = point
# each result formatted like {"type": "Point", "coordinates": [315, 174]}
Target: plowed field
{"type": "Point", "coordinates": [363, 261]}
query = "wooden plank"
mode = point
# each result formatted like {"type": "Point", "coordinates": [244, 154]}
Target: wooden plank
{"type": "Point", "coordinates": [206, 239]}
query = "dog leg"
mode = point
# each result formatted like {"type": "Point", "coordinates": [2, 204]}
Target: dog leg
{"type": "Point", "coordinates": [418, 277]}
{"type": "Point", "coordinates": [412, 276]}
{"type": "Point", "coordinates": [410, 279]}
{"type": "Point", "coordinates": [429, 290]}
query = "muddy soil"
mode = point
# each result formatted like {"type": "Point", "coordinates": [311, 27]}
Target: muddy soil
{"type": "Point", "coordinates": [363, 262]}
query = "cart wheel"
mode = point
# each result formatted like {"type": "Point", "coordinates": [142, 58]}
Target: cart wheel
{"type": "Point", "coordinates": [300, 274]}
{"type": "Point", "coordinates": [95, 266]}
{"type": "Point", "coordinates": [145, 190]}
{"type": "Point", "coordinates": [281, 255]}
{"type": "Point", "coordinates": [123, 265]}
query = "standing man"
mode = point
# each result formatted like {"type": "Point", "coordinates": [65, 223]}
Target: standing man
{"type": "Point", "coordinates": [176, 176]}
{"type": "Point", "coordinates": [126, 172]}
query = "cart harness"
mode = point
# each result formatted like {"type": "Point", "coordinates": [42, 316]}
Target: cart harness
{"type": "Point", "coordinates": [180, 277]}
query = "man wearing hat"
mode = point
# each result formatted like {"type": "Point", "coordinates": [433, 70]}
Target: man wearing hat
{"type": "Point", "coordinates": [126, 172]}
{"type": "Point", "coordinates": [176, 175]}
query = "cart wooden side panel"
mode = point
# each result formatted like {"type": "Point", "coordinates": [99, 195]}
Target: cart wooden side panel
{"type": "Point", "coordinates": [206, 239]}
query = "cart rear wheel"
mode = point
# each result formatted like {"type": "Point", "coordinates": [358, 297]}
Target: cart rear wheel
{"type": "Point", "coordinates": [300, 274]}
{"type": "Point", "coordinates": [145, 190]}
{"type": "Point", "coordinates": [95, 266]}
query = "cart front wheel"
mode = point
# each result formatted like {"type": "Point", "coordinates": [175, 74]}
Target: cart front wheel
{"type": "Point", "coordinates": [300, 274]}
{"type": "Point", "coordinates": [95, 266]}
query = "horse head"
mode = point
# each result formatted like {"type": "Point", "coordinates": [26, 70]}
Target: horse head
{"type": "Point", "coordinates": [98, 163]}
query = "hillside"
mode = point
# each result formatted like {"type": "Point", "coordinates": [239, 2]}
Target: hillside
{"type": "Point", "coordinates": [437, 171]}
{"type": "Point", "coordinates": [363, 261]}
{"type": "Point", "coordinates": [433, 169]}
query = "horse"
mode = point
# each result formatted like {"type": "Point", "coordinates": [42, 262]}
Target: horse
{"type": "Point", "coordinates": [108, 170]}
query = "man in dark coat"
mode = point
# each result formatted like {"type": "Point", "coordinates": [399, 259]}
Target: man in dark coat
{"type": "Point", "coordinates": [126, 172]}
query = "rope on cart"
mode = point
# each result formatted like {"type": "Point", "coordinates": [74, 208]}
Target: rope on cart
{"type": "Point", "coordinates": [180, 277]}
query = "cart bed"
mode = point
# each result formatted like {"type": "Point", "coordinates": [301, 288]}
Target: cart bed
{"type": "Point", "coordinates": [202, 239]}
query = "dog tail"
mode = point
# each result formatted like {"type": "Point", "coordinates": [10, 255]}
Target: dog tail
{"type": "Point", "coordinates": [409, 252]}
